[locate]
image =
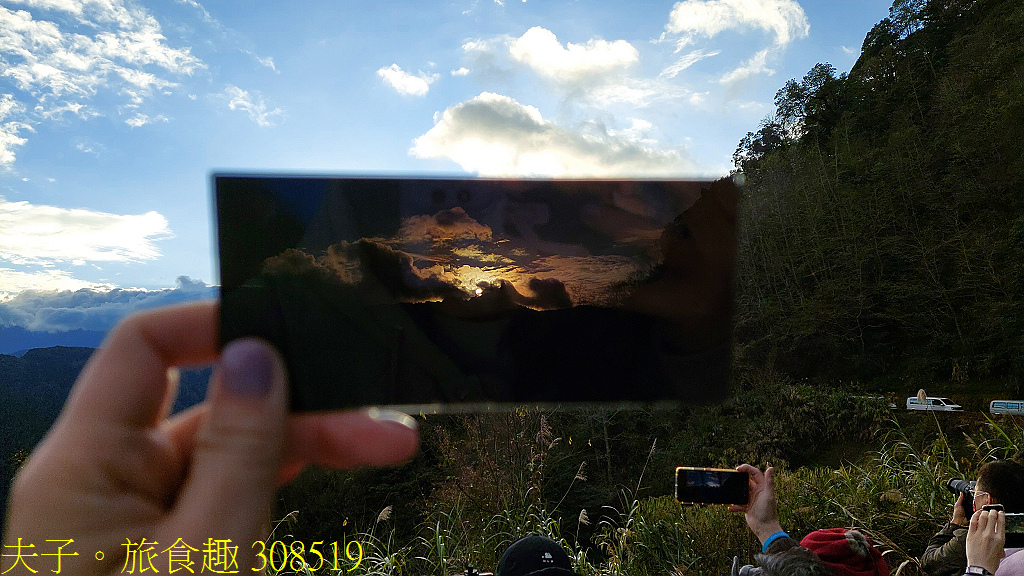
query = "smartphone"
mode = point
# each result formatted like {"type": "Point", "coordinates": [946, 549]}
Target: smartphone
{"type": "Point", "coordinates": [1014, 526]}
{"type": "Point", "coordinates": [451, 295]}
{"type": "Point", "coordinates": [712, 486]}
{"type": "Point", "coordinates": [1014, 530]}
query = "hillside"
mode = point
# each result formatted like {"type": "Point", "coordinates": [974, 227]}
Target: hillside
{"type": "Point", "coordinates": [883, 236]}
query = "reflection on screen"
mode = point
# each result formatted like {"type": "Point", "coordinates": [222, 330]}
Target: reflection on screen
{"type": "Point", "coordinates": [467, 292]}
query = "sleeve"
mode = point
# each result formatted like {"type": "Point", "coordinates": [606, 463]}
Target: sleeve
{"type": "Point", "coordinates": [946, 554]}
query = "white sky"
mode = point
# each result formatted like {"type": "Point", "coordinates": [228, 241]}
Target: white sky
{"type": "Point", "coordinates": [113, 113]}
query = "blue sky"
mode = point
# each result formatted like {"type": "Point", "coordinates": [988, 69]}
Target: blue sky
{"type": "Point", "coordinates": [114, 113]}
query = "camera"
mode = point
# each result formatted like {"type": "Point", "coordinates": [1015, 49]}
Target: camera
{"type": "Point", "coordinates": [965, 487]}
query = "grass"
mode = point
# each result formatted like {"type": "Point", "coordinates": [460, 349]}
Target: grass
{"type": "Point", "coordinates": [895, 495]}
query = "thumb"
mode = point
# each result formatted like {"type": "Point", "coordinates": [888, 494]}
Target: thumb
{"type": "Point", "coordinates": [237, 454]}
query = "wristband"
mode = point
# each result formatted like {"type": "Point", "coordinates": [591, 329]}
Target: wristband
{"type": "Point", "coordinates": [768, 541]}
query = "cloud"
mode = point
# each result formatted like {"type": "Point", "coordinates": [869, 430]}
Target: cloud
{"type": "Point", "coordinates": [405, 83]}
{"type": "Point", "coordinates": [229, 35]}
{"type": "Point", "coordinates": [596, 74]}
{"type": "Point", "coordinates": [69, 52]}
{"type": "Point", "coordinates": [13, 282]}
{"type": "Point", "coordinates": [92, 308]}
{"type": "Point", "coordinates": [784, 20]}
{"type": "Point", "coordinates": [756, 65]}
{"type": "Point", "coordinates": [141, 120]}
{"type": "Point", "coordinates": [594, 61]}
{"type": "Point", "coordinates": [495, 135]}
{"type": "Point", "coordinates": [463, 71]}
{"type": "Point", "coordinates": [254, 105]}
{"type": "Point", "coordinates": [686, 61]}
{"type": "Point", "coordinates": [9, 130]}
{"type": "Point", "coordinates": [42, 235]}
{"type": "Point", "coordinates": [448, 224]}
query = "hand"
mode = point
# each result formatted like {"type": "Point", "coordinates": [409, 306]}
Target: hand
{"type": "Point", "coordinates": [985, 539]}
{"type": "Point", "coordinates": [761, 511]}
{"type": "Point", "coordinates": [115, 469]}
{"type": "Point", "coordinates": [959, 517]}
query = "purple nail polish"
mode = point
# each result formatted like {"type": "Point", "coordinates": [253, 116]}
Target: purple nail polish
{"type": "Point", "coordinates": [247, 368]}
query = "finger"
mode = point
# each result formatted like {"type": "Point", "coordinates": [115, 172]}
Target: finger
{"type": "Point", "coordinates": [349, 440]}
{"type": "Point", "coordinates": [237, 451]}
{"type": "Point", "coordinates": [975, 522]}
{"type": "Point", "coordinates": [183, 427]}
{"type": "Point", "coordinates": [756, 477]}
{"type": "Point", "coordinates": [125, 382]}
{"type": "Point", "coordinates": [999, 522]}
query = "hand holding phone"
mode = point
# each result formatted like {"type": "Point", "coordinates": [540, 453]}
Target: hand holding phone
{"type": "Point", "coordinates": [986, 537]}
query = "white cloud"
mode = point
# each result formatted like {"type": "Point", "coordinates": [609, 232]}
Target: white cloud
{"type": "Point", "coordinates": [785, 20]}
{"type": "Point", "coordinates": [10, 129]}
{"type": "Point", "coordinates": [686, 61]}
{"type": "Point", "coordinates": [495, 135]}
{"type": "Point", "coordinates": [254, 105]}
{"type": "Point", "coordinates": [71, 51]}
{"type": "Point", "coordinates": [42, 235]}
{"type": "Point", "coordinates": [539, 49]}
{"type": "Point", "coordinates": [58, 303]}
{"type": "Point", "coordinates": [406, 83]}
{"type": "Point", "coordinates": [461, 71]}
{"type": "Point", "coordinates": [141, 120]}
{"type": "Point", "coordinates": [849, 50]}
{"type": "Point", "coordinates": [756, 65]}
{"type": "Point", "coordinates": [14, 281]}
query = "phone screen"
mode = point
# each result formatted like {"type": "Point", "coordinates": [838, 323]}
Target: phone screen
{"type": "Point", "coordinates": [1014, 530]}
{"type": "Point", "coordinates": [465, 294]}
{"type": "Point", "coordinates": [712, 486]}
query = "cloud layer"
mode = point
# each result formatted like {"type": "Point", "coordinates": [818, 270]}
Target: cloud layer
{"type": "Point", "coordinates": [61, 311]}
{"type": "Point", "coordinates": [35, 234]}
{"type": "Point", "coordinates": [93, 58]}
{"type": "Point", "coordinates": [495, 135]}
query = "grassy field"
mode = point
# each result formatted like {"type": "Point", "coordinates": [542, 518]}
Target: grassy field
{"type": "Point", "coordinates": [889, 486]}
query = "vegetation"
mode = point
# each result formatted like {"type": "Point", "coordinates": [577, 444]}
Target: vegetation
{"type": "Point", "coordinates": [503, 482]}
{"type": "Point", "coordinates": [883, 235]}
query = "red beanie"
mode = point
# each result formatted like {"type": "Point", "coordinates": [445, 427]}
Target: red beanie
{"type": "Point", "coordinates": [846, 552]}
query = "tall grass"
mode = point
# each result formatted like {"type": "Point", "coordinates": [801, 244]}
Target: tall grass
{"type": "Point", "coordinates": [895, 495]}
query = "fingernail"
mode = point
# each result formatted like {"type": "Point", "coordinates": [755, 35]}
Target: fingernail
{"type": "Point", "coordinates": [385, 415]}
{"type": "Point", "coordinates": [247, 368]}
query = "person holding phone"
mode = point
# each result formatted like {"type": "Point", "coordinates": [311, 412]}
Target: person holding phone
{"type": "Point", "coordinates": [999, 482]}
{"type": "Point", "coordinates": [826, 552]}
{"type": "Point", "coordinates": [116, 470]}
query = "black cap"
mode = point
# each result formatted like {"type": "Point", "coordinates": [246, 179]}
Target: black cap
{"type": "Point", "coordinates": [535, 556]}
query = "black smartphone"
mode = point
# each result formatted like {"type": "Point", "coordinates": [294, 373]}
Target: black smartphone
{"type": "Point", "coordinates": [443, 295]}
{"type": "Point", "coordinates": [712, 486]}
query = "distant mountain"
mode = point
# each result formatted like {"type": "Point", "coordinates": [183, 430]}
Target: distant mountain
{"type": "Point", "coordinates": [33, 388]}
{"type": "Point", "coordinates": [17, 340]}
